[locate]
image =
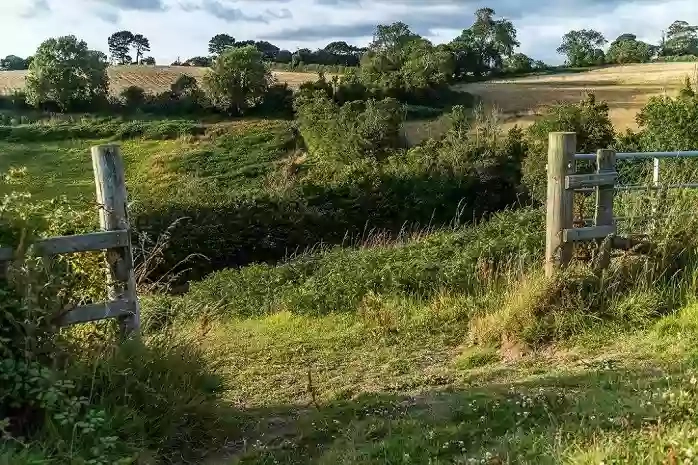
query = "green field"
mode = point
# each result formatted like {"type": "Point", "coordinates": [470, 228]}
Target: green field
{"type": "Point", "coordinates": [346, 299]}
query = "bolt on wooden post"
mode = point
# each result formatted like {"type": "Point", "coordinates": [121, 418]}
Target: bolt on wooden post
{"type": "Point", "coordinates": [559, 205]}
{"type": "Point", "coordinates": [110, 183]}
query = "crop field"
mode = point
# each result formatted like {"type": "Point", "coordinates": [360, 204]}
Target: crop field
{"type": "Point", "coordinates": [153, 79]}
{"type": "Point", "coordinates": [625, 88]}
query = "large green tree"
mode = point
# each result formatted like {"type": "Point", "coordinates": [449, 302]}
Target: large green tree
{"type": "Point", "coordinates": [219, 43]}
{"type": "Point", "coordinates": [627, 49]}
{"type": "Point", "coordinates": [238, 80]}
{"type": "Point", "coordinates": [583, 47]}
{"type": "Point", "coordinates": [65, 71]}
{"type": "Point", "coordinates": [120, 47]}
{"type": "Point", "coordinates": [484, 47]}
{"type": "Point", "coordinates": [681, 39]}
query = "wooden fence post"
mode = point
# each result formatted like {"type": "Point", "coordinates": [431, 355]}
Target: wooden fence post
{"type": "Point", "coordinates": [561, 151]}
{"type": "Point", "coordinates": [605, 163]}
{"type": "Point", "coordinates": [110, 182]}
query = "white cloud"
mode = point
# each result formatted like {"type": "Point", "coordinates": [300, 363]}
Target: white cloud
{"type": "Point", "coordinates": [181, 28]}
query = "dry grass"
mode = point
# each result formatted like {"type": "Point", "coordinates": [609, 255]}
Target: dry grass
{"type": "Point", "coordinates": [625, 88]}
{"type": "Point", "coordinates": [153, 79]}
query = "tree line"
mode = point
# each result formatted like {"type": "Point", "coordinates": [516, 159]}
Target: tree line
{"type": "Point", "coordinates": [487, 46]}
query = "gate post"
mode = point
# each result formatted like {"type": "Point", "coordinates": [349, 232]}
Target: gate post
{"type": "Point", "coordinates": [562, 147]}
{"type": "Point", "coordinates": [110, 183]}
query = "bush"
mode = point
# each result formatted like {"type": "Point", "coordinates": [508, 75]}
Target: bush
{"type": "Point", "coordinates": [133, 97]}
{"type": "Point", "coordinates": [668, 123]}
{"type": "Point", "coordinates": [588, 119]}
{"type": "Point", "coordinates": [355, 131]}
{"type": "Point", "coordinates": [238, 80]}
{"type": "Point", "coordinates": [152, 396]}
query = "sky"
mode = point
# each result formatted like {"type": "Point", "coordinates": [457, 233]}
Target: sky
{"type": "Point", "coordinates": [182, 28]}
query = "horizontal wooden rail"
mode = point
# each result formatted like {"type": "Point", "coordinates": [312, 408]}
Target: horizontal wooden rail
{"type": "Point", "coordinates": [582, 181]}
{"type": "Point", "coordinates": [588, 234]}
{"type": "Point", "coordinates": [95, 312]}
{"type": "Point", "coordinates": [73, 244]}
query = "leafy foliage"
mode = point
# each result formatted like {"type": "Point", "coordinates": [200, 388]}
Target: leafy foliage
{"type": "Point", "coordinates": [627, 49]}
{"type": "Point", "coordinates": [219, 43]}
{"type": "Point", "coordinates": [64, 71]}
{"type": "Point", "coordinates": [238, 80]}
{"type": "Point", "coordinates": [588, 119]}
{"type": "Point", "coordinates": [583, 48]}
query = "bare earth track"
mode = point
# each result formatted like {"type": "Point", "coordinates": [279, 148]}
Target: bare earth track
{"type": "Point", "coordinates": [625, 88]}
{"type": "Point", "coordinates": [153, 79]}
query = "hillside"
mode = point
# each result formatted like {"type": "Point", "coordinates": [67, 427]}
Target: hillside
{"type": "Point", "coordinates": [625, 88]}
{"type": "Point", "coordinates": [153, 79]}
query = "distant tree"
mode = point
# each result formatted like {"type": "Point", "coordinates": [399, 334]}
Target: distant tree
{"type": "Point", "coordinates": [184, 85]}
{"type": "Point", "coordinates": [485, 45]}
{"type": "Point", "coordinates": [13, 63]}
{"type": "Point", "coordinates": [238, 80]}
{"type": "Point", "coordinates": [583, 48]}
{"type": "Point", "coordinates": [119, 47]}
{"type": "Point", "coordinates": [141, 44]}
{"type": "Point", "coordinates": [219, 43]}
{"type": "Point", "coordinates": [627, 49]}
{"type": "Point", "coordinates": [66, 72]}
{"type": "Point", "coordinates": [201, 62]}
{"type": "Point", "coordinates": [519, 63]}
{"type": "Point", "coordinates": [284, 56]}
{"type": "Point", "coordinates": [245, 43]}
{"type": "Point", "coordinates": [133, 97]}
{"type": "Point", "coordinates": [148, 61]}
{"type": "Point", "coordinates": [681, 39]}
{"type": "Point", "coordinates": [269, 50]}
{"type": "Point", "coordinates": [391, 39]}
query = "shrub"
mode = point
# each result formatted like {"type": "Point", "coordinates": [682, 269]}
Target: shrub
{"type": "Point", "coordinates": [133, 97]}
{"type": "Point", "coordinates": [588, 119]}
{"type": "Point", "coordinates": [669, 123]}
{"type": "Point", "coordinates": [238, 80]}
{"type": "Point", "coordinates": [352, 132]}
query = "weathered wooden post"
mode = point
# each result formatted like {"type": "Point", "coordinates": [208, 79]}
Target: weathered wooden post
{"type": "Point", "coordinates": [110, 182]}
{"type": "Point", "coordinates": [605, 163]}
{"type": "Point", "coordinates": [561, 151]}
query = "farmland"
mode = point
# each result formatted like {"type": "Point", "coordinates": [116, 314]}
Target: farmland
{"type": "Point", "coordinates": [626, 89]}
{"type": "Point", "coordinates": [152, 79]}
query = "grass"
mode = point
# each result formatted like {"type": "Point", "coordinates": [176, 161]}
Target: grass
{"type": "Point", "coordinates": [237, 159]}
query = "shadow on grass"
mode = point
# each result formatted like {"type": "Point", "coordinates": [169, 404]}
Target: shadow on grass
{"type": "Point", "coordinates": [601, 412]}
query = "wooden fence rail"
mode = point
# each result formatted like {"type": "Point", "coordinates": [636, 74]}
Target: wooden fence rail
{"type": "Point", "coordinates": [115, 239]}
{"type": "Point", "coordinates": [563, 182]}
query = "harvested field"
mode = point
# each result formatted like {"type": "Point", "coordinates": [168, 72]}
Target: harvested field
{"type": "Point", "coordinates": [625, 88]}
{"type": "Point", "coordinates": [153, 79]}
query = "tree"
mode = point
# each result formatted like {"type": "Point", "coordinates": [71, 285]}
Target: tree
{"type": "Point", "coordinates": [219, 43]}
{"type": "Point", "coordinates": [627, 49]}
{"type": "Point", "coordinates": [392, 38]}
{"type": "Point", "coordinates": [148, 61]}
{"type": "Point", "coordinates": [269, 50]}
{"type": "Point", "coordinates": [238, 80]}
{"type": "Point", "coordinates": [485, 45]}
{"type": "Point", "coordinates": [141, 44]}
{"type": "Point", "coordinates": [201, 62]}
{"type": "Point", "coordinates": [119, 47]}
{"type": "Point", "coordinates": [583, 48]}
{"type": "Point", "coordinates": [519, 63]}
{"type": "Point", "coordinates": [681, 39]}
{"type": "Point", "coordinates": [66, 72]}
{"type": "Point", "coordinates": [284, 56]}
{"type": "Point", "coordinates": [14, 63]}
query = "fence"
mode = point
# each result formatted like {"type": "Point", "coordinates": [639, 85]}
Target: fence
{"type": "Point", "coordinates": [115, 239]}
{"type": "Point", "coordinates": [563, 182]}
